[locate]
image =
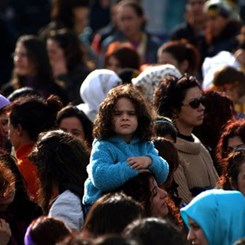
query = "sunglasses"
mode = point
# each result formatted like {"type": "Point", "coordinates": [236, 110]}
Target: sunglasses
{"type": "Point", "coordinates": [195, 103]}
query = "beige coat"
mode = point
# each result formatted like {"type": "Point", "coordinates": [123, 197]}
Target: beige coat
{"type": "Point", "coordinates": [196, 167]}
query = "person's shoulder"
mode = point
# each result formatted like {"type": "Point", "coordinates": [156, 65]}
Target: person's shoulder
{"type": "Point", "coordinates": [117, 36]}
{"type": "Point", "coordinates": [153, 40]}
{"type": "Point", "coordinates": [105, 142]}
{"type": "Point", "coordinates": [181, 30]}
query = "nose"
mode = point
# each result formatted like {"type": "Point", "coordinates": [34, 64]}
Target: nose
{"type": "Point", "coordinates": [125, 116]}
{"type": "Point", "coordinates": [190, 235]}
{"type": "Point", "coordinates": [164, 194]}
{"type": "Point", "coordinates": [201, 107]}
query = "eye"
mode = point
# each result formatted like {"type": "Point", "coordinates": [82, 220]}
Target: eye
{"type": "Point", "coordinates": [132, 113]}
{"type": "Point", "coordinates": [117, 113]}
{"type": "Point", "coordinates": [195, 226]}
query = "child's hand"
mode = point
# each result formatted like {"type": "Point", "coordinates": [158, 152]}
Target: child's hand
{"type": "Point", "coordinates": [5, 232]}
{"type": "Point", "coordinates": [139, 163]}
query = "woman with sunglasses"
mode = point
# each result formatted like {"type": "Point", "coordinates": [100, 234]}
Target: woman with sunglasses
{"type": "Point", "coordinates": [181, 100]}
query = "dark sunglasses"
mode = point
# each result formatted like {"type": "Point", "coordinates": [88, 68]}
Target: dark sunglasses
{"type": "Point", "coordinates": [195, 103]}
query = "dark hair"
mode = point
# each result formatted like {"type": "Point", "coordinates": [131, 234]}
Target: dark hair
{"type": "Point", "coordinates": [136, 6]}
{"type": "Point", "coordinates": [70, 44]}
{"type": "Point", "coordinates": [46, 230]}
{"type": "Point", "coordinates": [111, 213]}
{"type": "Point", "coordinates": [164, 127]}
{"type": "Point", "coordinates": [21, 92]}
{"type": "Point", "coordinates": [139, 189]}
{"type": "Point", "coordinates": [7, 180]}
{"type": "Point", "coordinates": [167, 150]}
{"type": "Point", "coordinates": [76, 239]}
{"type": "Point", "coordinates": [62, 11]}
{"type": "Point", "coordinates": [103, 123]}
{"type": "Point", "coordinates": [171, 92]}
{"type": "Point", "coordinates": [11, 162]}
{"type": "Point", "coordinates": [126, 55]}
{"type": "Point", "coordinates": [154, 231]}
{"type": "Point", "coordinates": [215, 118]}
{"type": "Point", "coordinates": [230, 75]}
{"type": "Point", "coordinates": [231, 169]}
{"type": "Point", "coordinates": [60, 159]}
{"type": "Point", "coordinates": [231, 129]}
{"type": "Point", "coordinates": [182, 50]}
{"type": "Point", "coordinates": [72, 111]}
{"type": "Point", "coordinates": [114, 240]}
{"type": "Point", "coordinates": [34, 114]}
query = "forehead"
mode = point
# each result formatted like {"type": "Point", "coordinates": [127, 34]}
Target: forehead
{"type": "Point", "coordinates": [124, 102]}
{"type": "Point", "coordinates": [20, 46]}
{"type": "Point", "coordinates": [126, 10]}
{"type": "Point", "coordinates": [235, 141]}
{"type": "Point", "coordinates": [191, 93]}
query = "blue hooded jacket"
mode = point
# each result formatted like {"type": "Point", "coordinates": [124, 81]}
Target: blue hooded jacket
{"type": "Point", "coordinates": [219, 213]}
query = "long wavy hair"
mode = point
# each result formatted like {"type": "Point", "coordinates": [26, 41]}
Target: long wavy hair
{"type": "Point", "coordinates": [232, 167]}
{"type": "Point", "coordinates": [61, 160]}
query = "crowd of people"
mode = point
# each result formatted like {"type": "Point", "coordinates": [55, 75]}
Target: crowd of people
{"type": "Point", "coordinates": [114, 132]}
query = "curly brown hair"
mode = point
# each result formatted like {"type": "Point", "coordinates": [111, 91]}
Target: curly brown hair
{"type": "Point", "coordinates": [171, 92]}
{"type": "Point", "coordinates": [103, 126]}
{"type": "Point", "coordinates": [232, 167]}
{"type": "Point", "coordinates": [231, 129]}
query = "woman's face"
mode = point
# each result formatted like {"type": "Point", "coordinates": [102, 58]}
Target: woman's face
{"type": "Point", "coordinates": [216, 24]}
{"type": "Point", "coordinates": [113, 64]}
{"type": "Point", "coordinates": [234, 143]}
{"type": "Point", "coordinates": [55, 52]}
{"type": "Point", "coordinates": [73, 126]}
{"type": "Point", "coordinates": [129, 23]}
{"type": "Point", "coordinates": [80, 18]}
{"type": "Point", "coordinates": [195, 234]}
{"type": "Point", "coordinates": [4, 122]}
{"type": "Point", "coordinates": [22, 63]}
{"type": "Point", "coordinates": [231, 90]}
{"type": "Point", "coordinates": [189, 117]}
{"type": "Point", "coordinates": [159, 197]}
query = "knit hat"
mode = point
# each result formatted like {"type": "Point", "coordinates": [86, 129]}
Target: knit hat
{"type": "Point", "coordinates": [152, 76]}
{"type": "Point", "coordinates": [225, 8]}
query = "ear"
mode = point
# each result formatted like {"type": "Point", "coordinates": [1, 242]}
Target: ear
{"type": "Point", "coordinates": [175, 114]}
{"type": "Point", "coordinates": [19, 130]}
{"type": "Point", "coordinates": [232, 184]}
{"type": "Point", "coordinates": [184, 66]}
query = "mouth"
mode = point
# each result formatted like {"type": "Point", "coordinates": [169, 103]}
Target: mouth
{"type": "Point", "coordinates": [125, 126]}
{"type": "Point", "coordinates": [201, 117]}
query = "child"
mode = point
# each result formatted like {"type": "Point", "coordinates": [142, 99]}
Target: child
{"type": "Point", "coordinates": [122, 147]}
